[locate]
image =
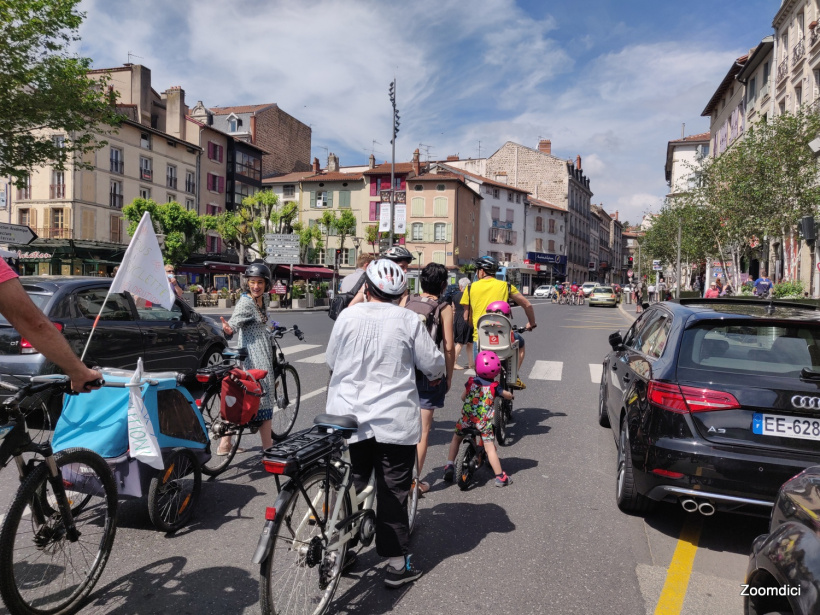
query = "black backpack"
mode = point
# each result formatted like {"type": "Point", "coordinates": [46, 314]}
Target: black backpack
{"type": "Point", "coordinates": [341, 300]}
{"type": "Point", "coordinates": [429, 311]}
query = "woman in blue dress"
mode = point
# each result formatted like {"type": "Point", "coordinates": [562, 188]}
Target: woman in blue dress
{"type": "Point", "coordinates": [250, 319]}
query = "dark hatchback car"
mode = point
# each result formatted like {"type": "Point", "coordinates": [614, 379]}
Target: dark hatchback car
{"type": "Point", "coordinates": [713, 403]}
{"type": "Point", "coordinates": [178, 340]}
{"type": "Point", "coordinates": [784, 568]}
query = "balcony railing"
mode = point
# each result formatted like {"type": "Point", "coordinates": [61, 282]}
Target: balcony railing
{"type": "Point", "coordinates": [54, 232]}
{"type": "Point", "coordinates": [798, 51]}
{"type": "Point", "coordinates": [115, 200]}
{"type": "Point", "coordinates": [172, 182]}
{"type": "Point", "coordinates": [57, 191]}
{"type": "Point", "coordinates": [23, 194]}
{"type": "Point", "coordinates": [190, 186]}
{"type": "Point", "coordinates": [783, 69]}
{"type": "Point", "coordinates": [116, 166]}
{"type": "Point", "coordinates": [147, 174]}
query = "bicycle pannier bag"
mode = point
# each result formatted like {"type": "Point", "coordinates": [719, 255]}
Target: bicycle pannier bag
{"type": "Point", "coordinates": [341, 300]}
{"type": "Point", "coordinates": [242, 392]}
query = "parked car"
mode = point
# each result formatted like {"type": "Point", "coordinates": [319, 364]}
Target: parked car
{"type": "Point", "coordinates": [178, 340]}
{"type": "Point", "coordinates": [713, 404]}
{"type": "Point", "coordinates": [627, 288]}
{"type": "Point", "coordinates": [783, 575]}
{"type": "Point", "coordinates": [603, 295]}
{"type": "Point", "coordinates": [544, 291]}
{"type": "Point", "coordinates": [587, 287]}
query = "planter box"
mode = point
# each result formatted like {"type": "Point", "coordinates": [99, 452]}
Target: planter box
{"type": "Point", "coordinates": [274, 304]}
{"type": "Point", "coordinates": [225, 303]}
{"type": "Point", "coordinates": [300, 303]}
{"type": "Point", "coordinates": [320, 302]}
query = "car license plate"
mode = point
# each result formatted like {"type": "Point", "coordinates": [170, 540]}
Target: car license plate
{"type": "Point", "coordinates": [786, 426]}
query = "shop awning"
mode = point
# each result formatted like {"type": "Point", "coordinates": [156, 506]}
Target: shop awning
{"type": "Point", "coordinates": [304, 272]}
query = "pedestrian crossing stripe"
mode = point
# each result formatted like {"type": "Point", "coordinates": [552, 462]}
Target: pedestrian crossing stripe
{"type": "Point", "coordinates": [317, 358]}
{"type": "Point", "coordinates": [596, 371]}
{"type": "Point", "coordinates": [298, 348]}
{"type": "Point", "coordinates": [553, 370]}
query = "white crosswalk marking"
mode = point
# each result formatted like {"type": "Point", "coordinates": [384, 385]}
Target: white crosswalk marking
{"type": "Point", "coordinates": [289, 350]}
{"type": "Point", "coordinates": [313, 394]}
{"type": "Point", "coordinates": [595, 372]}
{"type": "Point", "coordinates": [317, 358]}
{"type": "Point", "coordinates": [547, 370]}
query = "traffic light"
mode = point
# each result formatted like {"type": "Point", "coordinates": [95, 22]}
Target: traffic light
{"type": "Point", "coordinates": [338, 256]}
{"type": "Point", "coordinates": [631, 260]}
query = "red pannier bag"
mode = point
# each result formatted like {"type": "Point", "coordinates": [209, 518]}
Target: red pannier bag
{"type": "Point", "coordinates": [241, 393]}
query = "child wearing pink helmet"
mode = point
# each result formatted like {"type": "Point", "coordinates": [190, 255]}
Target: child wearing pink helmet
{"type": "Point", "coordinates": [478, 396]}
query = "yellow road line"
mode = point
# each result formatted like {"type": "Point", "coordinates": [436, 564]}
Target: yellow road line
{"type": "Point", "coordinates": [677, 577]}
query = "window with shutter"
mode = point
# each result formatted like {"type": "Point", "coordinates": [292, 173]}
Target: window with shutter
{"type": "Point", "coordinates": [539, 224]}
{"type": "Point", "coordinates": [552, 226]}
{"type": "Point", "coordinates": [440, 257]}
{"type": "Point", "coordinates": [440, 206]}
{"type": "Point", "coordinates": [417, 231]}
{"type": "Point", "coordinates": [496, 213]}
{"type": "Point", "coordinates": [374, 186]}
{"type": "Point", "coordinates": [417, 207]}
{"type": "Point", "coordinates": [538, 245]}
{"type": "Point", "coordinates": [551, 245]}
{"type": "Point", "coordinates": [510, 215]}
{"type": "Point", "coordinates": [439, 231]}
{"type": "Point", "coordinates": [344, 198]}
{"type": "Point", "coordinates": [449, 235]}
{"type": "Point", "coordinates": [374, 211]}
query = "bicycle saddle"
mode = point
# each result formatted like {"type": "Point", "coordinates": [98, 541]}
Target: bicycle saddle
{"type": "Point", "coordinates": [345, 422]}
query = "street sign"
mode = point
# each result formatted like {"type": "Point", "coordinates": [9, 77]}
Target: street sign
{"type": "Point", "coordinates": [656, 266]}
{"type": "Point", "coordinates": [281, 249]}
{"type": "Point", "coordinates": [16, 233]}
{"type": "Point", "coordinates": [629, 273]}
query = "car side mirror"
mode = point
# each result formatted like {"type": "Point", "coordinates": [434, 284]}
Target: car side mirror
{"type": "Point", "coordinates": [616, 341]}
{"type": "Point", "coordinates": [194, 317]}
{"type": "Point", "coordinates": [645, 305]}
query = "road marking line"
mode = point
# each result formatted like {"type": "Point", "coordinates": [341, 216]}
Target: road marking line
{"type": "Point", "coordinates": [312, 394]}
{"type": "Point", "coordinates": [599, 328]}
{"type": "Point", "coordinates": [298, 348]}
{"type": "Point", "coordinates": [317, 358]}
{"type": "Point", "coordinates": [596, 370]}
{"type": "Point", "coordinates": [547, 370]}
{"type": "Point", "coordinates": [680, 568]}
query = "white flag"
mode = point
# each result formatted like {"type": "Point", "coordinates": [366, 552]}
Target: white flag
{"type": "Point", "coordinates": [142, 271]}
{"type": "Point", "coordinates": [142, 441]}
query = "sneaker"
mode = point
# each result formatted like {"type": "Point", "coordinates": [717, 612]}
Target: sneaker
{"type": "Point", "coordinates": [503, 481]}
{"type": "Point", "coordinates": [520, 384]}
{"type": "Point", "coordinates": [396, 578]}
{"type": "Point", "coordinates": [449, 472]}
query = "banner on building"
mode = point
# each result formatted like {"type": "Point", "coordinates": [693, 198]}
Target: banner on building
{"type": "Point", "coordinates": [400, 224]}
{"type": "Point", "coordinates": [384, 218]}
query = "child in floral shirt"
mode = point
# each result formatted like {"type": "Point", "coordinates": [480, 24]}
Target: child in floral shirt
{"type": "Point", "coordinates": [478, 396]}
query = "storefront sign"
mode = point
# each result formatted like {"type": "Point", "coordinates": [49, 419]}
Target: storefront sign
{"type": "Point", "coordinates": [545, 259]}
{"type": "Point", "coordinates": [33, 255]}
{"type": "Point", "coordinates": [279, 289]}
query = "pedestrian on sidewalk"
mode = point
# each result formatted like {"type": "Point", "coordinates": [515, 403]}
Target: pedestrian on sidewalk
{"type": "Point", "coordinates": [638, 299]}
{"type": "Point", "coordinates": [651, 293]}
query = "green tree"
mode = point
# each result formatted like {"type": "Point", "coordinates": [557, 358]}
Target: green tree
{"type": "Point", "coordinates": [184, 229]}
{"type": "Point", "coordinates": [45, 89]}
{"type": "Point", "coordinates": [371, 236]}
{"type": "Point", "coordinates": [310, 237]}
{"type": "Point", "coordinates": [232, 227]}
{"type": "Point", "coordinates": [345, 226]}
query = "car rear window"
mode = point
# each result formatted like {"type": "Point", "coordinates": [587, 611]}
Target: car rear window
{"type": "Point", "coordinates": [39, 299]}
{"type": "Point", "coordinates": [603, 289]}
{"type": "Point", "coordinates": [753, 349]}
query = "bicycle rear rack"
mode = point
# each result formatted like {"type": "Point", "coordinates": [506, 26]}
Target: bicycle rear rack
{"type": "Point", "coordinates": [300, 451]}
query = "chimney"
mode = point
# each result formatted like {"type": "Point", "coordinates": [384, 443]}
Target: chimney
{"type": "Point", "coordinates": [545, 146]}
{"type": "Point", "coordinates": [315, 166]}
{"type": "Point", "coordinates": [416, 162]}
{"type": "Point", "coordinates": [371, 162]}
{"type": "Point", "coordinates": [452, 157]}
{"type": "Point", "coordinates": [141, 93]}
{"type": "Point", "coordinates": [175, 112]}
{"type": "Point", "coordinates": [616, 214]}
{"type": "Point", "coordinates": [332, 163]}
{"type": "Point", "coordinates": [578, 162]}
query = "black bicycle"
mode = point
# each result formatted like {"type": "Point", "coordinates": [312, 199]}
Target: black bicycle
{"type": "Point", "coordinates": [59, 530]}
{"type": "Point", "coordinates": [286, 395]}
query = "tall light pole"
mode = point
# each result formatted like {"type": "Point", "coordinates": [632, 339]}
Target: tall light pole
{"type": "Point", "coordinates": [357, 241]}
{"type": "Point", "coordinates": [392, 92]}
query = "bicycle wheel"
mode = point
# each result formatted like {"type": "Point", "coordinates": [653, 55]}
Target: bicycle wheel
{"type": "Point", "coordinates": [413, 496]}
{"type": "Point", "coordinates": [499, 422]}
{"type": "Point", "coordinates": [286, 394]}
{"type": "Point", "coordinates": [174, 492]}
{"type": "Point", "coordinates": [214, 426]}
{"type": "Point", "coordinates": [464, 464]}
{"type": "Point", "coordinates": [299, 575]}
{"type": "Point", "coordinates": [41, 570]}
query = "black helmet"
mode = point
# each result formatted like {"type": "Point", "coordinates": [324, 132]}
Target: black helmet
{"type": "Point", "coordinates": [259, 270]}
{"type": "Point", "coordinates": [398, 253]}
{"type": "Point", "coordinates": [487, 263]}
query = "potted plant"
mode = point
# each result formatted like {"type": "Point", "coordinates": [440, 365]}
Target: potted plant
{"type": "Point", "coordinates": [300, 296]}
{"type": "Point", "coordinates": [225, 298]}
{"type": "Point", "coordinates": [320, 294]}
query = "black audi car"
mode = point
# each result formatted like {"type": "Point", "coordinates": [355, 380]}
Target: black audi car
{"type": "Point", "coordinates": [713, 403]}
{"type": "Point", "coordinates": [178, 340]}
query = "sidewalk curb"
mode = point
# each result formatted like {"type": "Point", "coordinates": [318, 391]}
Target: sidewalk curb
{"type": "Point", "coordinates": [211, 310]}
{"type": "Point", "coordinates": [633, 316]}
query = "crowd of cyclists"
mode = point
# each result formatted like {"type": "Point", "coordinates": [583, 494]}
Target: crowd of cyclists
{"type": "Point", "coordinates": [568, 294]}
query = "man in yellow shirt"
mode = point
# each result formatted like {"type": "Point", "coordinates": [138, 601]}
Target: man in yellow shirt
{"type": "Point", "coordinates": [487, 289]}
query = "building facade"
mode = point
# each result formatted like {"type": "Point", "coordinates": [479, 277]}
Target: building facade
{"type": "Point", "coordinates": [545, 233]}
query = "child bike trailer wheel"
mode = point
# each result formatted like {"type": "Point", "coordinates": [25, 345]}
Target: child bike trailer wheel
{"type": "Point", "coordinates": [174, 491]}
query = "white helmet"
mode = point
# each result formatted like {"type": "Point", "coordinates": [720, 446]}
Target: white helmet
{"type": "Point", "coordinates": [385, 280]}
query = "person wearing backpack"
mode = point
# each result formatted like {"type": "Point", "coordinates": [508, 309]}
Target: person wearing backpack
{"type": "Point", "coordinates": [437, 317]}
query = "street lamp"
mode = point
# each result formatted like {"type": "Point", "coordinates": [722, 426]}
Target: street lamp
{"type": "Point", "coordinates": [392, 94]}
{"type": "Point", "coordinates": [357, 241]}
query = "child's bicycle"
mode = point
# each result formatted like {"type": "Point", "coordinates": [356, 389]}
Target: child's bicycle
{"type": "Point", "coordinates": [317, 517]}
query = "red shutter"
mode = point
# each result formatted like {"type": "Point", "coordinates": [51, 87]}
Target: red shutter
{"type": "Point", "coordinates": [374, 210]}
{"type": "Point", "coordinates": [385, 183]}
{"type": "Point", "coordinates": [219, 244]}
{"type": "Point", "coordinates": [403, 185]}
{"type": "Point", "coordinates": [209, 180]}
{"type": "Point", "coordinates": [374, 188]}
{"type": "Point", "coordinates": [210, 150]}
{"type": "Point", "coordinates": [221, 184]}
{"type": "Point", "coordinates": [220, 151]}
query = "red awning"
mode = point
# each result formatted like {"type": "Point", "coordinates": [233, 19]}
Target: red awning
{"type": "Point", "coordinates": [303, 272]}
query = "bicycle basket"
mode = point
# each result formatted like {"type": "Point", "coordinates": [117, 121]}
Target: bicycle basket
{"type": "Point", "coordinates": [299, 451]}
{"type": "Point", "coordinates": [242, 391]}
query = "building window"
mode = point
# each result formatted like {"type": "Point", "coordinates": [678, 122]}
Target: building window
{"type": "Point", "coordinates": [58, 140]}
{"type": "Point", "coordinates": [509, 196]}
{"type": "Point", "coordinates": [417, 231]}
{"type": "Point", "coordinates": [344, 198]}
{"type": "Point", "coordinates": [58, 185]}
{"type": "Point", "coordinates": [440, 207]}
{"type": "Point", "coordinates": [145, 140]}
{"type": "Point", "coordinates": [552, 226]}
{"type": "Point", "coordinates": [214, 244]}
{"type": "Point", "coordinates": [539, 245]}
{"type": "Point", "coordinates": [171, 177]}
{"type": "Point", "coordinates": [798, 99]}
{"type": "Point", "coordinates": [496, 213]}
{"type": "Point", "coordinates": [417, 207]}
{"type": "Point", "coordinates": [215, 183]}
{"type": "Point", "coordinates": [439, 231]}
{"type": "Point", "coordinates": [289, 190]}
{"type": "Point", "coordinates": [496, 193]}
{"type": "Point", "coordinates": [766, 73]}
{"type": "Point", "coordinates": [321, 199]}
{"type": "Point", "coordinates": [146, 172]}
{"type": "Point", "coordinates": [116, 229]}
{"type": "Point", "coordinates": [440, 187]}
{"type": "Point", "coordinates": [232, 124]}
{"type": "Point", "coordinates": [116, 160]}
{"type": "Point", "coordinates": [418, 187]}
{"type": "Point", "coordinates": [190, 182]}
{"type": "Point", "coordinates": [24, 193]}
{"type": "Point", "coordinates": [115, 195]}
{"type": "Point", "coordinates": [510, 215]}
{"type": "Point", "coordinates": [171, 198]}
{"type": "Point", "coordinates": [539, 224]}
{"type": "Point", "coordinates": [24, 217]}
{"type": "Point", "coordinates": [213, 210]}
{"type": "Point", "coordinates": [189, 204]}
{"type": "Point", "coordinates": [57, 229]}
{"type": "Point", "coordinates": [316, 257]}
{"type": "Point", "coordinates": [517, 198]}
{"type": "Point", "coordinates": [242, 190]}
{"type": "Point", "coordinates": [215, 151]}
{"type": "Point", "coordinates": [249, 166]}
{"type": "Point", "coordinates": [145, 193]}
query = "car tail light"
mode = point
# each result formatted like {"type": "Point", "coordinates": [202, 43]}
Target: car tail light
{"type": "Point", "coordinates": [667, 473]}
{"type": "Point", "coordinates": [683, 399]}
{"type": "Point", "coordinates": [274, 467]}
{"type": "Point", "coordinates": [270, 513]}
{"type": "Point", "coordinates": [27, 348]}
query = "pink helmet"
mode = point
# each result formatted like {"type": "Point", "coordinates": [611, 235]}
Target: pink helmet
{"type": "Point", "coordinates": [499, 307]}
{"type": "Point", "coordinates": [487, 365]}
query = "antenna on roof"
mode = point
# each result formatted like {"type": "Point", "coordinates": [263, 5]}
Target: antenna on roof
{"type": "Point", "coordinates": [683, 130]}
{"type": "Point", "coordinates": [373, 148]}
{"type": "Point", "coordinates": [479, 149]}
{"type": "Point", "coordinates": [426, 150]}
{"type": "Point", "coordinates": [133, 55]}
{"type": "Point", "coordinates": [327, 151]}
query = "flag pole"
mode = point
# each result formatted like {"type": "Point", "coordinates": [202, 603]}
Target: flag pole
{"type": "Point", "coordinates": [96, 320]}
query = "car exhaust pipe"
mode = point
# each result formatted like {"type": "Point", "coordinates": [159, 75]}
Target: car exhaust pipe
{"type": "Point", "coordinates": [689, 505]}
{"type": "Point", "coordinates": [706, 508]}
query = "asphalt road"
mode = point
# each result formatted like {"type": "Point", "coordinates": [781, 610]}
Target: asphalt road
{"type": "Point", "coordinates": [553, 542]}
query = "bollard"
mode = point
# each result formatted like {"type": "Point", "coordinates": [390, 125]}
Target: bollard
{"type": "Point", "coordinates": [628, 298]}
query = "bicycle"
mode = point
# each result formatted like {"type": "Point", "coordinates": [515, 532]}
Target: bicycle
{"type": "Point", "coordinates": [59, 530]}
{"type": "Point", "coordinates": [580, 297]}
{"type": "Point", "coordinates": [316, 518]}
{"type": "Point", "coordinates": [555, 297]}
{"type": "Point", "coordinates": [286, 395]}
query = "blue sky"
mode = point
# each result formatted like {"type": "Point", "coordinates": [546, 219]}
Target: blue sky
{"type": "Point", "coordinates": [611, 81]}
